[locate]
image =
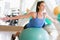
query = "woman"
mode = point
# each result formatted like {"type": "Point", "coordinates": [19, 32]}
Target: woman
{"type": "Point", "coordinates": [38, 17]}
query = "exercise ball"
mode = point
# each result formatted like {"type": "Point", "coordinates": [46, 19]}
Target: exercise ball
{"type": "Point", "coordinates": [56, 10]}
{"type": "Point", "coordinates": [34, 34]}
{"type": "Point", "coordinates": [48, 21]}
{"type": "Point", "coordinates": [58, 17]}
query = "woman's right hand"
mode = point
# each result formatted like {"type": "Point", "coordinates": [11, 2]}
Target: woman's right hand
{"type": "Point", "coordinates": [55, 21]}
{"type": "Point", "coordinates": [5, 18]}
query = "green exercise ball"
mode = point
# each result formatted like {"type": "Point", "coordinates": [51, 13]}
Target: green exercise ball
{"type": "Point", "coordinates": [48, 21]}
{"type": "Point", "coordinates": [34, 34]}
{"type": "Point", "coordinates": [58, 17]}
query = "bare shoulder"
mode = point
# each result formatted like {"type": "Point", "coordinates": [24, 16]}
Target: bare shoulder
{"type": "Point", "coordinates": [33, 13]}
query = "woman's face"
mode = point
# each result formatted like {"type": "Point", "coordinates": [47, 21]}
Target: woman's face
{"type": "Point", "coordinates": [42, 6]}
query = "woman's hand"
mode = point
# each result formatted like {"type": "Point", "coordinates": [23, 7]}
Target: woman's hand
{"type": "Point", "coordinates": [28, 10]}
{"type": "Point", "coordinates": [5, 18]}
{"type": "Point", "coordinates": [53, 20]}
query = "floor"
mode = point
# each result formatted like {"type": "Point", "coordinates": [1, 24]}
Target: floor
{"type": "Point", "coordinates": [58, 28]}
{"type": "Point", "coordinates": [5, 35]}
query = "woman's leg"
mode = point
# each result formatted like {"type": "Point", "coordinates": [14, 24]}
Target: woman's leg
{"type": "Point", "coordinates": [17, 33]}
{"type": "Point", "coordinates": [25, 27]}
{"type": "Point", "coordinates": [43, 25]}
{"type": "Point", "coordinates": [52, 31]}
{"type": "Point", "coordinates": [14, 35]}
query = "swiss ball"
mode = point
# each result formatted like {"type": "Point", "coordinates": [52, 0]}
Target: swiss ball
{"type": "Point", "coordinates": [48, 21]}
{"type": "Point", "coordinates": [56, 10]}
{"type": "Point", "coordinates": [34, 34]}
{"type": "Point", "coordinates": [58, 17]}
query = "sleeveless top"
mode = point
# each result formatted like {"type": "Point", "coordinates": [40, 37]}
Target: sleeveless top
{"type": "Point", "coordinates": [36, 22]}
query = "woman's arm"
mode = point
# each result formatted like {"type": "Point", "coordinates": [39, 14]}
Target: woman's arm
{"type": "Point", "coordinates": [18, 17]}
{"type": "Point", "coordinates": [53, 20]}
{"type": "Point", "coordinates": [21, 16]}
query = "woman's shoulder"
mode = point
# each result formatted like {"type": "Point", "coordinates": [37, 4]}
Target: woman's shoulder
{"type": "Point", "coordinates": [33, 13]}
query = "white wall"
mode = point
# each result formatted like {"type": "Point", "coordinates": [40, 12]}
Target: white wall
{"type": "Point", "coordinates": [50, 4]}
{"type": "Point", "coordinates": [6, 7]}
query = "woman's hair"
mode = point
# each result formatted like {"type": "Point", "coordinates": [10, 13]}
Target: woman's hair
{"type": "Point", "coordinates": [38, 4]}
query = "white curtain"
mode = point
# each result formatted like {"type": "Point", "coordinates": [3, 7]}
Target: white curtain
{"type": "Point", "coordinates": [50, 4]}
